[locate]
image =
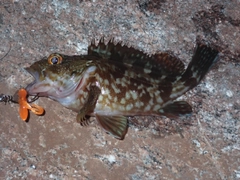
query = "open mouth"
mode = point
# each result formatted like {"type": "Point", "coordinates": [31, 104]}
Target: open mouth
{"type": "Point", "coordinates": [57, 89]}
{"type": "Point", "coordinates": [37, 87]}
{"type": "Point", "coordinates": [31, 87]}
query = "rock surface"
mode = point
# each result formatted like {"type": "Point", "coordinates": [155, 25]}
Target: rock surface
{"type": "Point", "coordinates": [54, 146]}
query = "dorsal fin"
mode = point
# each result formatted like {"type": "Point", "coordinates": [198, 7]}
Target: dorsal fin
{"type": "Point", "coordinates": [160, 63]}
{"type": "Point", "coordinates": [114, 51]}
{"type": "Point", "coordinates": [169, 63]}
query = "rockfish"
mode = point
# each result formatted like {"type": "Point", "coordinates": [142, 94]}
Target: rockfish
{"type": "Point", "coordinates": [114, 81]}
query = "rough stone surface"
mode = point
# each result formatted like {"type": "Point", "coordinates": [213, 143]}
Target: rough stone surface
{"type": "Point", "coordinates": [54, 146]}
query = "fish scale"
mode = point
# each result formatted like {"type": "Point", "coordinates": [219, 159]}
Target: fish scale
{"type": "Point", "coordinates": [114, 81]}
{"type": "Point", "coordinates": [128, 94]}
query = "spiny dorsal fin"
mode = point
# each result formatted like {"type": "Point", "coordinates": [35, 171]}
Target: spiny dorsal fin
{"type": "Point", "coordinates": [157, 64]}
{"type": "Point", "coordinates": [114, 51]}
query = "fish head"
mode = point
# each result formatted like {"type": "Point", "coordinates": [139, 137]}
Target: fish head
{"type": "Point", "coordinates": [57, 76]}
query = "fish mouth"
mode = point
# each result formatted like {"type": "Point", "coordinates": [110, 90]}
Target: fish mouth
{"type": "Point", "coordinates": [49, 88]}
{"type": "Point", "coordinates": [36, 87]}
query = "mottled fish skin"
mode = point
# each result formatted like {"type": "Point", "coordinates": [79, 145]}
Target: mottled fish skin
{"type": "Point", "coordinates": [114, 81]}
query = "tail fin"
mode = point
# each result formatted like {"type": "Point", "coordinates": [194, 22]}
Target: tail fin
{"type": "Point", "coordinates": [202, 60]}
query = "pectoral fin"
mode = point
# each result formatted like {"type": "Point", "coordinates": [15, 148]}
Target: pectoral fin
{"type": "Point", "coordinates": [176, 109]}
{"type": "Point", "coordinates": [88, 106]}
{"type": "Point", "coordinates": [115, 125]}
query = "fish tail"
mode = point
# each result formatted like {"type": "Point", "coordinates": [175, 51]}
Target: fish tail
{"type": "Point", "coordinates": [202, 60]}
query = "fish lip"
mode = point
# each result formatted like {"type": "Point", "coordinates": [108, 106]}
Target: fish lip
{"type": "Point", "coordinates": [31, 88]}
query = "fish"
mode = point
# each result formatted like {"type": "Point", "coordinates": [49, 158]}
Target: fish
{"type": "Point", "coordinates": [114, 81]}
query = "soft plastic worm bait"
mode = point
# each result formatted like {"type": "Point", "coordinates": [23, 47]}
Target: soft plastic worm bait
{"type": "Point", "coordinates": [24, 106]}
{"type": "Point", "coordinates": [23, 102]}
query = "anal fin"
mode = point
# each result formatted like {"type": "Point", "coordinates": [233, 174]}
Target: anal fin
{"type": "Point", "coordinates": [176, 109]}
{"type": "Point", "coordinates": [114, 125]}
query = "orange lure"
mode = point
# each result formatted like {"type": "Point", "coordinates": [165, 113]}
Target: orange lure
{"type": "Point", "coordinates": [25, 106]}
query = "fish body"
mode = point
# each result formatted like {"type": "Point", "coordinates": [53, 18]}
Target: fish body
{"type": "Point", "coordinates": [114, 81]}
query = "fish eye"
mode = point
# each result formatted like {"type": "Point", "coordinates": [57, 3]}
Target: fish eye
{"type": "Point", "coordinates": [55, 59]}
